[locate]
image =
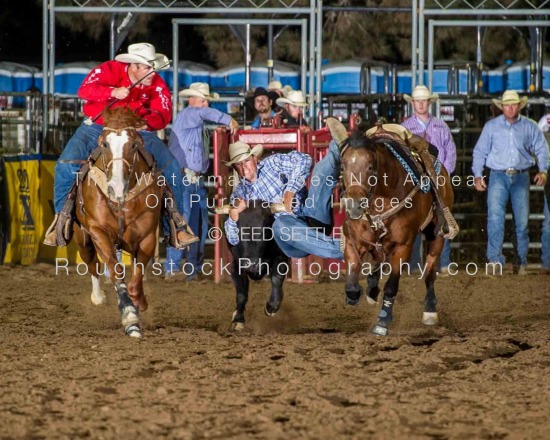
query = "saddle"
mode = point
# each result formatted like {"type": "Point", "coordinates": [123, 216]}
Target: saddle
{"type": "Point", "coordinates": [420, 155]}
{"type": "Point", "coordinates": [65, 219]}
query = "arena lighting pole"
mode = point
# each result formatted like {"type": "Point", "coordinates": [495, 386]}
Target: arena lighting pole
{"type": "Point", "coordinates": [455, 23]}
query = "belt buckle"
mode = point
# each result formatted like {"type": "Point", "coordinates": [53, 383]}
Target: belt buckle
{"type": "Point", "coordinates": [511, 172]}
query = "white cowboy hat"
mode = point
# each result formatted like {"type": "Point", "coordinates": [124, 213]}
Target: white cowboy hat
{"type": "Point", "coordinates": [510, 97]}
{"type": "Point", "coordinates": [419, 93]}
{"type": "Point", "coordinates": [144, 53]}
{"type": "Point", "coordinates": [294, 97]}
{"type": "Point", "coordinates": [240, 151]}
{"type": "Point", "coordinates": [275, 85]}
{"type": "Point", "coordinates": [200, 90]}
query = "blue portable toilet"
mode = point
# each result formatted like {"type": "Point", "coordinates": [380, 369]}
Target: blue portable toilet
{"type": "Point", "coordinates": [69, 76]}
{"type": "Point", "coordinates": [445, 80]}
{"type": "Point", "coordinates": [345, 77]}
{"type": "Point", "coordinates": [233, 77]}
{"type": "Point", "coordinates": [15, 77]}
{"type": "Point", "coordinates": [516, 76]}
{"type": "Point", "coordinates": [404, 81]}
{"type": "Point", "coordinates": [188, 73]}
{"type": "Point", "coordinates": [495, 83]}
{"type": "Point", "coordinates": [546, 77]}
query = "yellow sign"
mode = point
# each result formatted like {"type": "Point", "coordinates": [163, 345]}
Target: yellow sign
{"type": "Point", "coordinates": [22, 185]}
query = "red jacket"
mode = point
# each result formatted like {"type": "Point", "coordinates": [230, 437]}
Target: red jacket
{"type": "Point", "coordinates": [152, 103]}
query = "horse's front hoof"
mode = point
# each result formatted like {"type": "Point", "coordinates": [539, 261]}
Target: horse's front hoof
{"type": "Point", "coordinates": [269, 310]}
{"type": "Point", "coordinates": [130, 316]}
{"type": "Point", "coordinates": [379, 330]}
{"type": "Point", "coordinates": [133, 331]}
{"type": "Point", "coordinates": [430, 318]}
{"type": "Point", "coordinates": [237, 326]}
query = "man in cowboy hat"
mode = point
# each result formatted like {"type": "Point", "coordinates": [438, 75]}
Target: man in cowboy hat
{"type": "Point", "coordinates": [509, 146]}
{"type": "Point", "coordinates": [280, 180]}
{"type": "Point", "coordinates": [437, 133]}
{"type": "Point", "coordinates": [190, 144]}
{"type": "Point", "coordinates": [130, 80]}
{"type": "Point", "coordinates": [263, 103]}
{"type": "Point", "coordinates": [293, 108]}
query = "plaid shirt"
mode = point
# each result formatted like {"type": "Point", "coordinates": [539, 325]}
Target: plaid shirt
{"type": "Point", "coordinates": [276, 175]}
{"type": "Point", "coordinates": [437, 133]}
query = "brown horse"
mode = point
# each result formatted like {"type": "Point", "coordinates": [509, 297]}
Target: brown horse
{"type": "Point", "coordinates": [118, 208]}
{"type": "Point", "coordinates": [385, 210]}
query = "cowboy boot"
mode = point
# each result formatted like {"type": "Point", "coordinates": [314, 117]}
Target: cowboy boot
{"type": "Point", "coordinates": [185, 239]}
{"type": "Point", "coordinates": [337, 131]}
{"type": "Point", "coordinates": [181, 235]}
{"type": "Point", "coordinates": [60, 231]}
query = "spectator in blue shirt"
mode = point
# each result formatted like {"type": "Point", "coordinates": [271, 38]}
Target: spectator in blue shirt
{"type": "Point", "coordinates": [508, 146]}
{"type": "Point", "coordinates": [190, 144]}
{"type": "Point", "coordinates": [263, 104]}
{"type": "Point", "coordinates": [280, 179]}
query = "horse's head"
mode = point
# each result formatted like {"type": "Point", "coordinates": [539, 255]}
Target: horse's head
{"type": "Point", "coordinates": [359, 174]}
{"type": "Point", "coordinates": [119, 144]}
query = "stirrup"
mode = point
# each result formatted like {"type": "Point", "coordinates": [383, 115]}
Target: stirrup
{"type": "Point", "coordinates": [50, 238]}
{"type": "Point", "coordinates": [451, 224]}
{"type": "Point", "coordinates": [173, 238]}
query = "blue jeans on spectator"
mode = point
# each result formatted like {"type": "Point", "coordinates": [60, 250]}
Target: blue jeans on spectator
{"type": "Point", "coordinates": [501, 188]}
{"type": "Point", "coordinates": [545, 238]}
{"type": "Point", "coordinates": [84, 141]}
{"type": "Point", "coordinates": [196, 214]}
{"type": "Point", "coordinates": [291, 231]}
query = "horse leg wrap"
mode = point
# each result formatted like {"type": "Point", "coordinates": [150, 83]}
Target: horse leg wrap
{"type": "Point", "coordinates": [129, 312]}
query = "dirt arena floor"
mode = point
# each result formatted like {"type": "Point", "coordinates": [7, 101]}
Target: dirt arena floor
{"type": "Point", "coordinates": [314, 371]}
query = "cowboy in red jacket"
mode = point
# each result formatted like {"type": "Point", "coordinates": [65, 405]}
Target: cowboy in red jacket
{"type": "Point", "coordinates": [130, 80]}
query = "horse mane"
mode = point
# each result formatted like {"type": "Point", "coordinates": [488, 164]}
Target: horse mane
{"type": "Point", "coordinates": [358, 140]}
{"type": "Point", "coordinates": [121, 117]}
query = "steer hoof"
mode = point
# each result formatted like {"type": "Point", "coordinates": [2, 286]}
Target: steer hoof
{"type": "Point", "coordinates": [237, 326]}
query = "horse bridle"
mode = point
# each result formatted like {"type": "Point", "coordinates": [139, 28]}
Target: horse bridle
{"type": "Point", "coordinates": [119, 207]}
{"type": "Point", "coordinates": [376, 222]}
{"type": "Point", "coordinates": [131, 166]}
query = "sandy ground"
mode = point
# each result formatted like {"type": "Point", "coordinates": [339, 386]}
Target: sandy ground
{"type": "Point", "coordinates": [313, 371]}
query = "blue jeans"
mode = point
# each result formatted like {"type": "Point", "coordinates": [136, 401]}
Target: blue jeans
{"type": "Point", "coordinates": [545, 238]}
{"type": "Point", "coordinates": [196, 214]}
{"type": "Point", "coordinates": [84, 141]}
{"type": "Point", "coordinates": [501, 188]}
{"type": "Point", "coordinates": [291, 232]}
